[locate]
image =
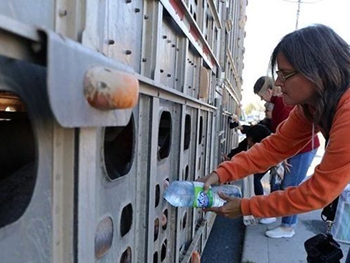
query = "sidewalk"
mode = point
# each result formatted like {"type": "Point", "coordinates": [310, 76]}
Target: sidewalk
{"type": "Point", "coordinates": [257, 248]}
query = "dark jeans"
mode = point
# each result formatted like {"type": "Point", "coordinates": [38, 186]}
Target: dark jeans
{"type": "Point", "coordinates": [258, 188]}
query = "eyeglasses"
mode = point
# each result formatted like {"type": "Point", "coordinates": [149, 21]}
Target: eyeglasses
{"type": "Point", "coordinates": [283, 77]}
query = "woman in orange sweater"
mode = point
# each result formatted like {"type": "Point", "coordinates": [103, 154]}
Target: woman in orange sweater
{"type": "Point", "coordinates": [313, 71]}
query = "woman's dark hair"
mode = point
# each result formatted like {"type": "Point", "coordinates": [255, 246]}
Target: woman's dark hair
{"type": "Point", "coordinates": [257, 132]}
{"type": "Point", "coordinates": [323, 57]}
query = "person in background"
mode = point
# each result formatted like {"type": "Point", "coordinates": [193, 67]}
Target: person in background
{"type": "Point", "coordinates": [313, 71]}
{"type": "Point", "coordinates": [276, 172]}
{"type": "Point", "coordinates": [268, 115]}
{"type": "Point", "coordinates": [298, 165]}
{"type": "Point", "coordinates": [254, 134]}
{"type": "Point", "coordinates": [266, 90]}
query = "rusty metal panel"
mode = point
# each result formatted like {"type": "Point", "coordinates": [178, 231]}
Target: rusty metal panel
{"type": "Point", "coordinates": [169, 68]}
{"type": "Point", "coordinates": [114, 28]}
{"type": "Point", "coordinates": [164, 169]}
{"type": "Point", "coordinates": [193, 67]}
{"type": "Point", "coordinates": [100, 174]}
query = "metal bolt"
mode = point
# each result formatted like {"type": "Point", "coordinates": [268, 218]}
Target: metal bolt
{"type": "Point", "coordinates": [62, 12]}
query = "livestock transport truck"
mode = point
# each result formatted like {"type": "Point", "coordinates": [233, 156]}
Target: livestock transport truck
{"type": "Point", "coordinates": [102, 104]}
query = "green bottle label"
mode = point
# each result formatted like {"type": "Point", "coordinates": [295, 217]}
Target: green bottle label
{"type": "Point", "coordinates": [202, 199]}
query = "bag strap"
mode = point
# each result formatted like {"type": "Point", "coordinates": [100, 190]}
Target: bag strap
{"type": "Point", "coordinates": [328, 212]}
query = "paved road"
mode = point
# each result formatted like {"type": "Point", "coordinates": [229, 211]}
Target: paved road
{"type": "Point", "coordinates": [225, 242]}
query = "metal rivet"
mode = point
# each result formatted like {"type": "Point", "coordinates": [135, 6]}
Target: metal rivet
{"type": "Point", "coordinates": [137, 10]}
{"type": "Point", "coordinates": [62, 12]}
{"type": "Point", "coordinates": [111, 42]}
{"type": "Point", "coordinates": [128, 52]}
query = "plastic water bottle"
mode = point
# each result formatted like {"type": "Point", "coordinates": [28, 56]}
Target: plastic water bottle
{"type": "Point", "coordinates": [191, 194]}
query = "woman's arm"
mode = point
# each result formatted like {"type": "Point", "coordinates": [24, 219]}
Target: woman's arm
{"type": "Point", "coordinates": [291, 136]}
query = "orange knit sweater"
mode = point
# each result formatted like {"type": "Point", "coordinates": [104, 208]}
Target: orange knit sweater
{"type": "Point", "coordinates": [328, 181]}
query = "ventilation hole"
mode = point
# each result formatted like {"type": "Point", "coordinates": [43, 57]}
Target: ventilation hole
{"type": "Point", "coordinates": [157, 195]}
{"type": "Point", "coordinates": [18, 158]}
{"type": "Point", "coordinates": [184, 220]}
{"type": "Point", "coordinates": [163, 251]}
{"type": "Point", "coordinates": [103, 237]}
{"type": "Point", "coordinates": [155, 257]}
{"type": "Point", "coordinates": [164, 219]}
{"type": "Point", "coordinates": [199, 163]}
{"type": "Point", "coordinates": [200, 135]}
{"type": "Point", "coordinates": [119, 149]}
{"type": "Point", "coordinates": [126, 256]}
{"type": "Point", "coordinates": [187, 132]}
{"type": "Point", "coordinates": [156, 229]}
{"type": "Point", "coordinates": [166, 183]}
{"type": "Point", "coordinates": [186, 172]}
{"type": "Point", "coordinates": [126, 220]}
{"type": "Point", "coordinates": [164, 135]}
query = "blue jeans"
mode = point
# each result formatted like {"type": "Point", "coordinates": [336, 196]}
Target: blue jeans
{"type": "Point", "coordinates": [300, 163]}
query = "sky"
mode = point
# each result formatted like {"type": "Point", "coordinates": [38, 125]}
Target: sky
{"type": "Point", "coordinates": [269, 20]}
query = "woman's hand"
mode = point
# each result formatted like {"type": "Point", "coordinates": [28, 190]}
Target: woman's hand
{"type": "Point", "coordinates": [231, 209]}
{"type": "Point", "coordinates": [208, 180]}
{"type": "Point", "coordinates": [224, 157]}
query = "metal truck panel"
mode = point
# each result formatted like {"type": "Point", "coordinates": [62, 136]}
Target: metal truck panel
{"type": "Point", "coordinates": [97, 175]}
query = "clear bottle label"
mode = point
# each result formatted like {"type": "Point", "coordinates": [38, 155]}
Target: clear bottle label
{"type": "Point", "coordinates": [202, 199]}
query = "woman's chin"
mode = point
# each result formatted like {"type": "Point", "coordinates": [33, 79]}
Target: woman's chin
{"type": "Point", "coordinates": [287, 100]}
